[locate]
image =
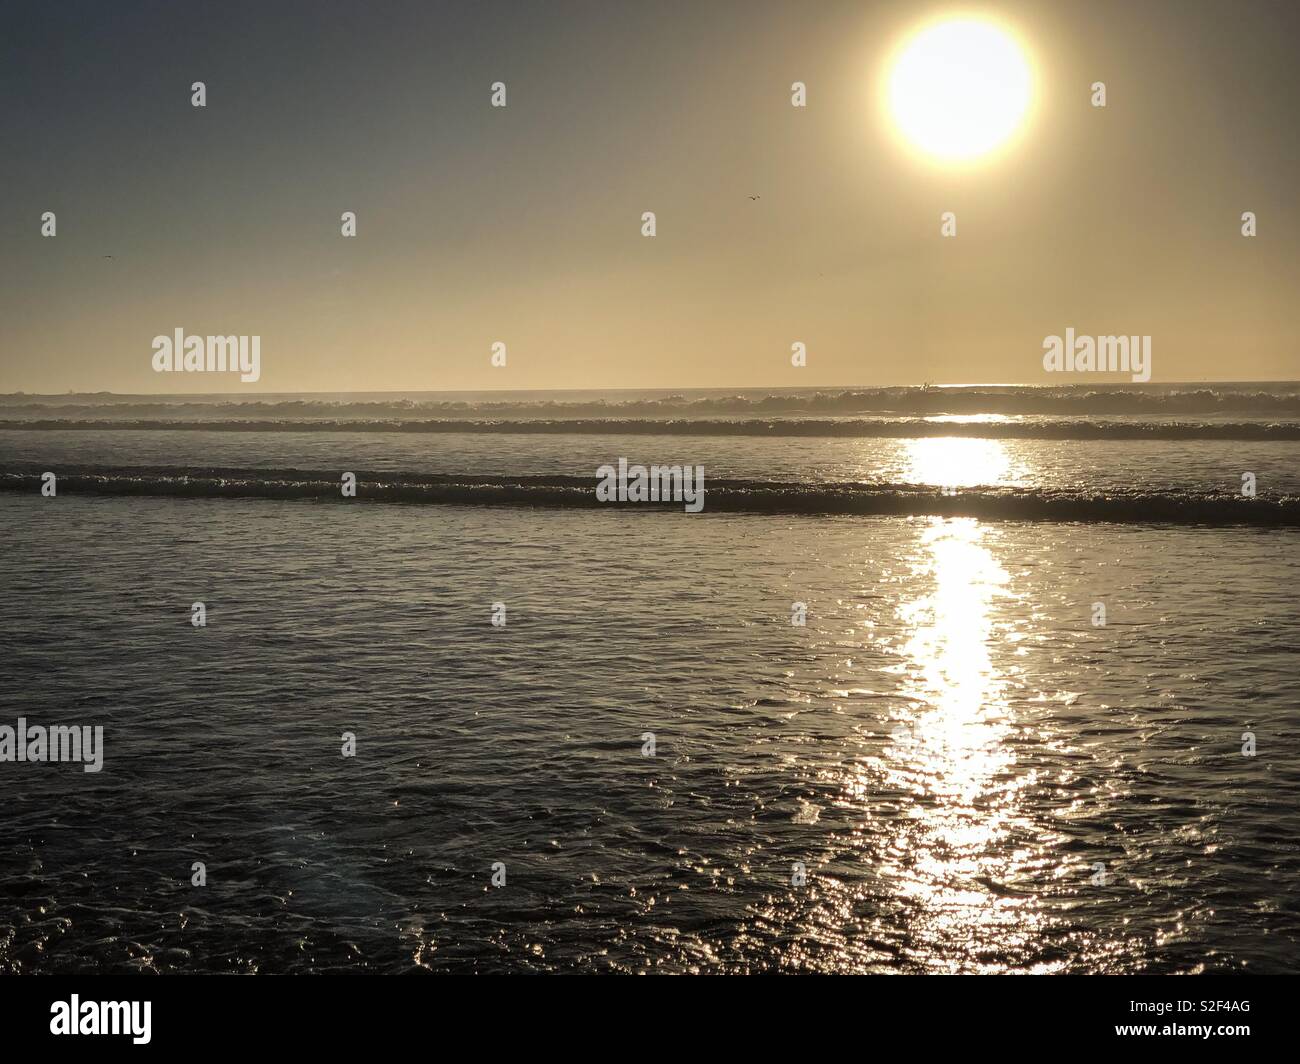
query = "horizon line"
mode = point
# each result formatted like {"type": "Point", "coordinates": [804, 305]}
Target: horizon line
{"type": "Point", "coordinates": [1133, 385]}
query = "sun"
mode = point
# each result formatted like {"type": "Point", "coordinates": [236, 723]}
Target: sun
{"type": "Point", "coordinates": [959, 89]}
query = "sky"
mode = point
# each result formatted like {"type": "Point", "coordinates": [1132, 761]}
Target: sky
{"type": "Point", "coordinates": [523, 224]}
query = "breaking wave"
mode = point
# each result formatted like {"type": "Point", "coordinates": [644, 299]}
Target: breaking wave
{"type": "Point", "coordinates": [912, 428]}
{"type": "Point", "coordinates": [731, 496]}
{"type": "Point", "coordinates": [1256, 400]}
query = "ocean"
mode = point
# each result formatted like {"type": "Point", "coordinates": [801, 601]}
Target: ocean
{"type": "Point", "coordinates": [985, 679]}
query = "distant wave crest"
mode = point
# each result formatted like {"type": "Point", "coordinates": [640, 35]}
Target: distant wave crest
{"type": "Point", "coordinates": [911, 428]}
{"type": "Point", "coordinates": [735, 496]}
{"type": "Point", "coordinates": [1074, 400]}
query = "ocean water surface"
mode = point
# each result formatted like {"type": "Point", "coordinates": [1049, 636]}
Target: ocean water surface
{"type": "Point", "coordinates": [950, 767]}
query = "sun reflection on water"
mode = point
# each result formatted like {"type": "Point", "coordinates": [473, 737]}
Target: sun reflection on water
{"type": "Point", "coordinates": [956, 867]}
{"type": "Point", "coordinates": [955, 864]}
{"type": "Point", "coordinates": [958, 462]}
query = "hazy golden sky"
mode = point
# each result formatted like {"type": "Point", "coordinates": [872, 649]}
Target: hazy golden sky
{"type": "Point", "coordinates": [522, 224]}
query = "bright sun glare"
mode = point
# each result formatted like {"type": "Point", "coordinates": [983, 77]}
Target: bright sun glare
{"type": "Point", "coordinates": [959, 89]}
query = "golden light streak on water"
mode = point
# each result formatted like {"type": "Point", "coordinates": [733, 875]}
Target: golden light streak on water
{"type": "Point", "coordinates": [955, 462]}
